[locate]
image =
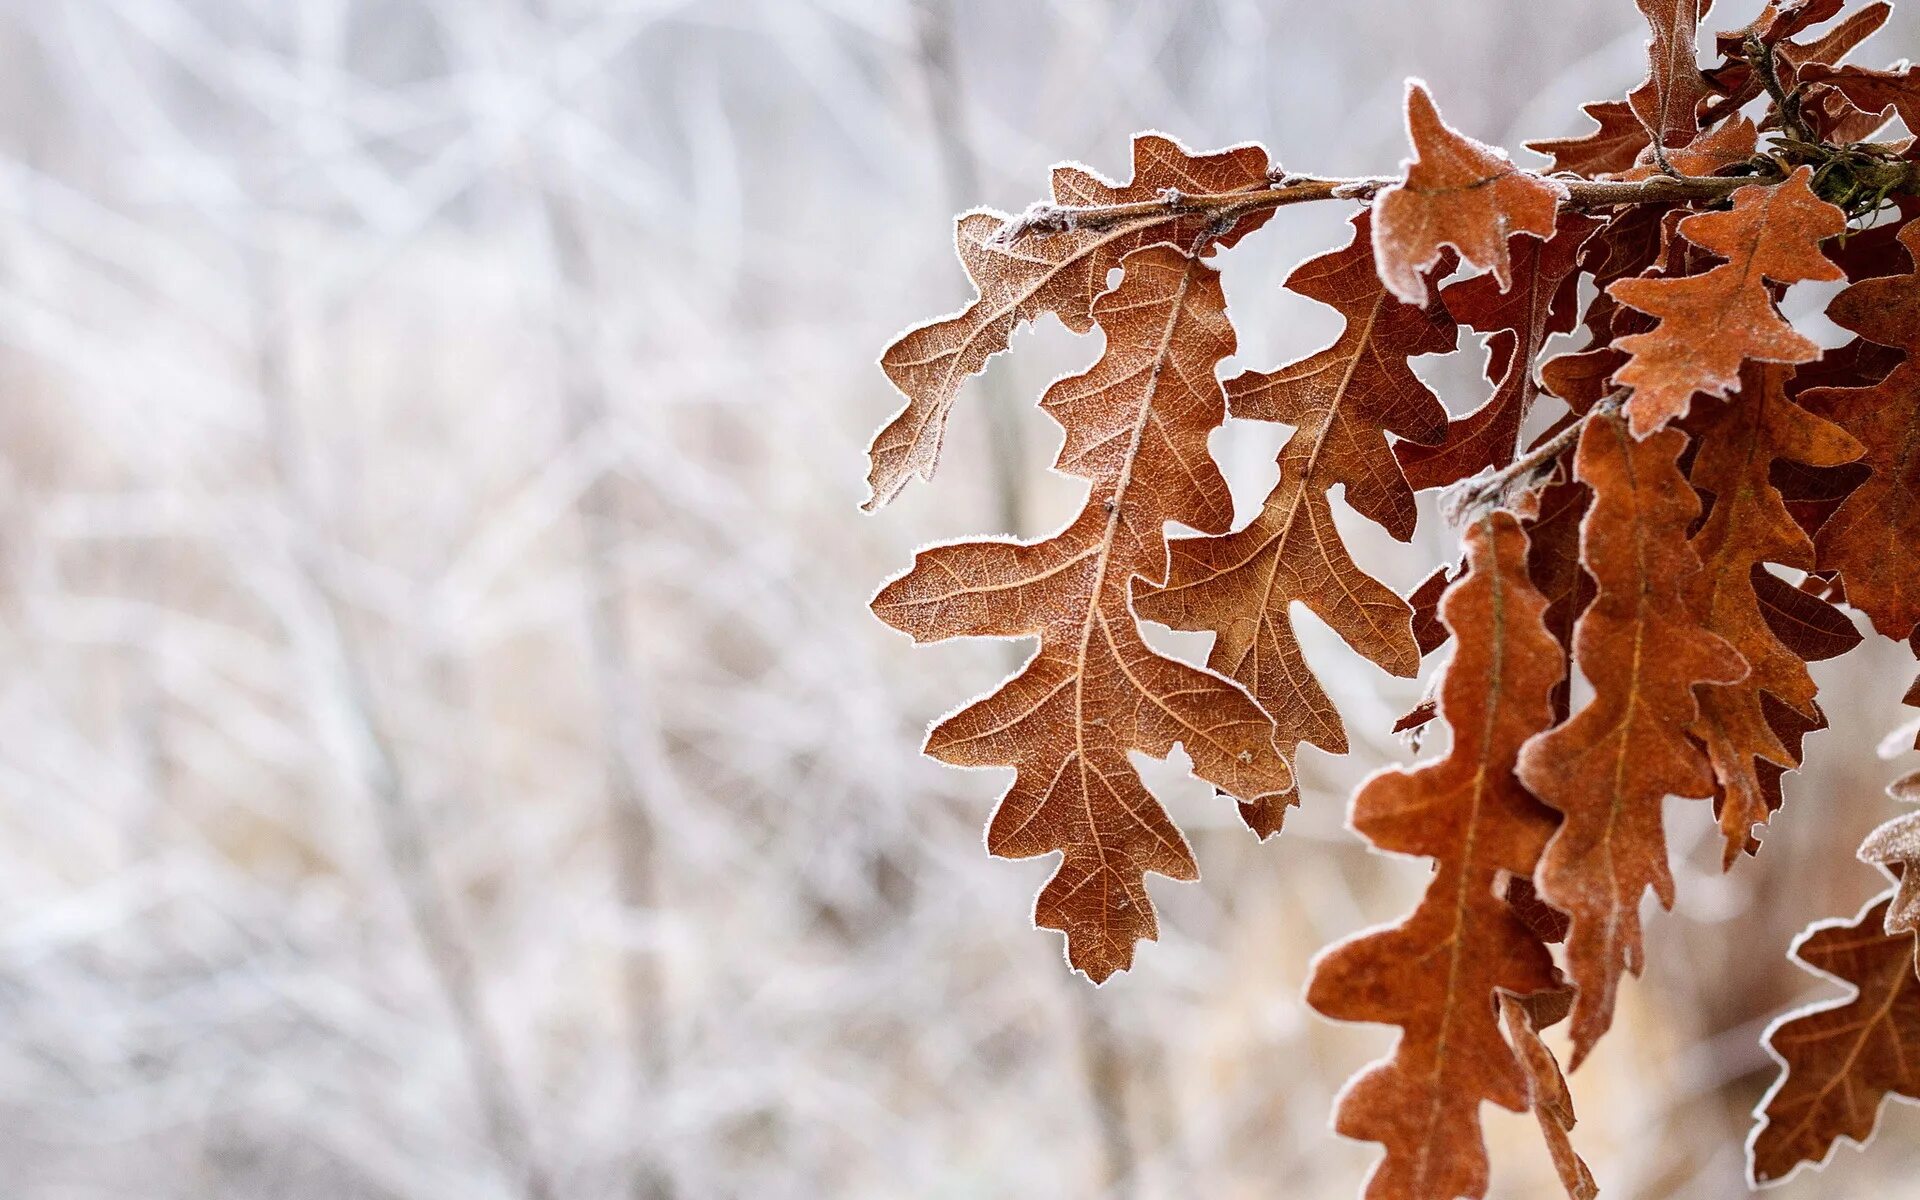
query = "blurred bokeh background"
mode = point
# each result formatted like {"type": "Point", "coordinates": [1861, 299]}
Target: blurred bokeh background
{"type": "Point", "coordinates": [444, 751]}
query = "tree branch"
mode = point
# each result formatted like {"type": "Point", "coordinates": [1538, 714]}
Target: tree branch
{"type": "Point", "coordinates": [1044, 219]}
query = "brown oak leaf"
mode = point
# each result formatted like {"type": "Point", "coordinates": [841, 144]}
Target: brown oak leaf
{"type": "Point", "coordinates": [1669, 99]}
{"type": "Point", "coordinates": [1870, 90]}
{"type": "Point", "coordinates": [1609, 767]}
{"type": "Point", "coordinates": [1868, 536]}
{"type": "Point", "coordinates": [1895, 846]}
{"type": "Point", "coordinates": [1060, 273]}
{"type": "Point", "coordinates": [1614, 146]}
{"type": "Point", "coordinates": [1775, 26]}
{"type": "Point", "coordinates": [1436, 974]}
{"type": "Point", "coordinates": [1840, 1061]}
{"type": "Point", "coordinates": [1136, 426]}
{"type": "Point", "coordinates": [1748, 526]}
{"type": "Point", "coordinates": [1342, 402]}
{"type": "Point", "coordinates": [1459, 193]}
{"type": "Point", "coordinates": [1712, 322]}
{"type": "Point", "coordinates": [1552, 1101]}
{"type": "Point", "coordinates": [1520, 319]}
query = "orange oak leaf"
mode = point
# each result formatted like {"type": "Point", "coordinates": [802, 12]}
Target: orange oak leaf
{"type": "Point", "coordinates": [1712, 322]}
{"type": "Point", "coordinates": [1060, 273]}
{"type": "Point", "coordinates": [1896, 847]}
{"type": "Point", "coordinates": [1520, 319]}
{"type": "Point", "coordinates": [1614, 146]}
{"type": "Point", "coordinates": [1668, 101]}
{"type": "Point", "coordinates": [1342, 402]}
{"type": "Point", "coordinates": [1459, 193]}
{"type": "Point", "coordinates": [1552, 1101]}
{"type": "Point", "coordinates": [1840, 1061]}
{"type": "Point", "coordinates": [1748, 526]}
{"type": "Point", "coordinates": [1870, 536]}
{"type": "Point", "coordinates": [1610, 766]}
{"type": "Point", "coordinates": [1437, 973]}
{"type": "Point", "coordinates": [1136, 427]}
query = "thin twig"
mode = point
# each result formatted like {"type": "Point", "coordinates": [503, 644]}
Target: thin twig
{"type": "Point", "coordinates": [1469, 496]}
{"type": "Point", "coordinates": [1044, 219]}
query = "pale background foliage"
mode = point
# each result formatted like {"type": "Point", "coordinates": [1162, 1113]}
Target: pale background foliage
{"type": "Point", "coordinates": [446, 753]}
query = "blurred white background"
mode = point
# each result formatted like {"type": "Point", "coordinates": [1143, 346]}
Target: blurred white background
{"type": "Point", "coordinates": [444, 751]}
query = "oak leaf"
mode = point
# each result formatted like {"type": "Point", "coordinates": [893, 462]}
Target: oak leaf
{"type": "Point", "coordinates": [1868, 538]}
{"type": "Point", "coordinates": [1667, 102]}
{"type": "Point", "coordinates": [1840, 1061]}
{"type": "Point", "coordinates": [1551, 1099]}
{"type": "Point", "coordinates": [1712, 322]}
{"type": "Point", "coordinates": [1871, 91]}
{"type": "Point", "coordinates": [1459, 193]}
{"type": "Point", "coordinates": [1614, 146]}
{"type": "Point", "coordinates": [1747, 527]}
{"type": "Point", "coordinates": [1520, 319]}
{"type": "Point", "coordinates": [1437, 973]}
{"type": "Point", "coordinates": [1895, 845]}
{"type": "Point", "coordinates": [1609, 767]}
{"type": "Point", "coordinates": [1342, 402]}
{"type": "Point", "coordinates": [1136, 427]}
{"type": "Point", "coordinates": [1060, 273]}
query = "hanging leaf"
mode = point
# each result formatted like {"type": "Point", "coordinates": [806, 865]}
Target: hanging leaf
{"type": "Point", "coordinates": [1520, 320]}
{"type": "Point", "coordinates": [1611, 765]}
{"type": "Point", "coordinates": [1747, 527]}
{"type": "Point", "coordinates": [1552, 1102]}
{"type": "Point", "coordinates": [1668, 100]}
{"type": "Point", "coordinates": [1136, 427]}
{"type": "Point", "coordinates": [1437, 973]}
{"type": "Point", "coordinates": [1863, 538]}
{"type": "Point", "coordinates": [1059, 274]}
{"type": "Point", "coordinates": [1342, 403]}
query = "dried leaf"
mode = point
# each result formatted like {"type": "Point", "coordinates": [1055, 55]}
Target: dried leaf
{"type": "Point", "coordinates": [1895, 846]}
{"type": "Point", "coordinates": [1436, 974]}
{"type": "Point", "coordinates": [1459, 193]}
{"type": "Point", "coordinates": [1869, 538]}
{"type": "Point", "coordinates": [1710, 152]}
{"type": "Point", "coordinates": [1668, 100]}
{"type": "Point", "coordinates": [1553, 563]}
{"type": "Point", "coordinates": [1748, 526]}
{"type": "Point", "coordinates": [1778, 21]}
{"type": "Point", "coordinates": [1870, 90]}
{"type": "Point", "coordinates": [1614, 146]}
{"type": "Point", "coordinates": [1710, 323]}
{"type": "Point", "coordinates": [1136, 426]}
{"type": "Point", "coordinates": [1342, 402]}
{"type": "Point", "coordinates": [1552, 1102]}
{"type": "Point", "coordinates": [1060, 274]}
{"type": "Point", "coordinates": [1521, 319]}
{"type": "Point", "coordinates": [1840, 1061]}
{"type": "Point", "coordinates": [1609, 767]}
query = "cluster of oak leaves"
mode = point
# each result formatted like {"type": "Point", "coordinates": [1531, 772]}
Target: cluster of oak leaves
{"type": "Point", "coordinates": [1704, 439]}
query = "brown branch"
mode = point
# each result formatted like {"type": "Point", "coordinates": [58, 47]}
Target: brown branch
{"type": "Point", "coordinates": [1043, 219]}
